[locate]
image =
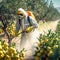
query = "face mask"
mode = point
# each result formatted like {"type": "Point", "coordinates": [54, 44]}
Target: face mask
{"type": "Point", "coordinates": [20, 16]}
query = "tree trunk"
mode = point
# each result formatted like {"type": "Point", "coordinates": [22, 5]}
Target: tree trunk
{"type": "Point", "coordinates": [8, 37]}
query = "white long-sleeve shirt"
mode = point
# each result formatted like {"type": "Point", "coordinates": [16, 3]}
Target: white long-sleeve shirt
{"type": "Point", "coordinates": [25, 24]}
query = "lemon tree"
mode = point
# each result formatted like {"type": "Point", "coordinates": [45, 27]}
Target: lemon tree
{"type": "Point", "coordinates": [1, 31]}
{"type": "Point", "coordinates": [11, 29]}
{"type": "Point", "coordinates": [48, 47]}
{"type": "Point", "coordinates": [9, 52]}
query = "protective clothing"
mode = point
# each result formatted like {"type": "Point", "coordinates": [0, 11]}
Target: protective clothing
{"type": "Point", "coordinates": [24, 23]}
{"type": "Point", "coordinates": [31, 14]}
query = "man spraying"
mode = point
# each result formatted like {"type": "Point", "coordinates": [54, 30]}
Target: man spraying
{"type": "Point", "coordinates": [27, 25]}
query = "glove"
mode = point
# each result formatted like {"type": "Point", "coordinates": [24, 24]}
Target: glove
{"type": "Point", "coordinates": [29, 29]}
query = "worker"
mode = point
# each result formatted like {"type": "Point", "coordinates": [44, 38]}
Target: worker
{"type": "Point", "coordinates": [27, 24]}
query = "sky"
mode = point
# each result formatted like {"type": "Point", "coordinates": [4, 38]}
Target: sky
{"type": "Point", "coordinates": [56, 3]}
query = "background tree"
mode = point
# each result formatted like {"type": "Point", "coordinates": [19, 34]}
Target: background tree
{"type": "Point", "coordinates": [7, 13]}
{"type": "Point", "coordinates": [41, 9]}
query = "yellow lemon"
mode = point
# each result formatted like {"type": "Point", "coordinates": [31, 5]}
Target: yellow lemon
{"type": "Point", "coordinates": [41, 51]}
{"type": "Point", "coordinates": [39, 44]}
{"type": "Point", "coordinates": [0, 47]}
{"type": "Point", "coordinates": [7, 57]}
{"type": "Point", "coordinates": [57, 39]}
{"type": "Point", "coordinates": [1, 30]}
{"type": "Point", "coordinates": [42, 42]}
{"type": "Point", "coordinates": [46, 40]}
{"type": "Point", "coordinates": [38, 54]}
{"type": "Point", "coordinates": [1, 54]}
{"type": "Point", "coordinates": [37, 58]}
{"type": "Point", "coordinates": [50, 53]}
{"type": "Point", "coordinates": [17, 56]}
{"type": "Point", "coordinates": [13, 50]}
{"type": "Point", "coordinates": [0, 42]}
{"type": "Point", "coordinates": [29, 29]}
{"type": "Point", "coordinates": [49, 48]}
{"type": "Point", "coordinates": [6, 44]}
{"type": "Point", "coordinates": [4, 51]}
{"type": "Point", "coordinates": [21, 58]}
{"type": "Point", "coordinates": [55, 46]}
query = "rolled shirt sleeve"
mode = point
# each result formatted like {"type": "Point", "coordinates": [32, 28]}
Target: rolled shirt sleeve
{"type": "Point", "coordinates": [33, 22]}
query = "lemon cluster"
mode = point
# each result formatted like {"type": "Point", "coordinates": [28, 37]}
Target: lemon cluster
{"type": "Point", "coordinates": [9, 53]}
{"type": "Point", "coordinates": [1, 31]}
{"type": "Point", "coordinates": [48, 47]}
{"type": "Point", "coordinates": [11, 29]}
